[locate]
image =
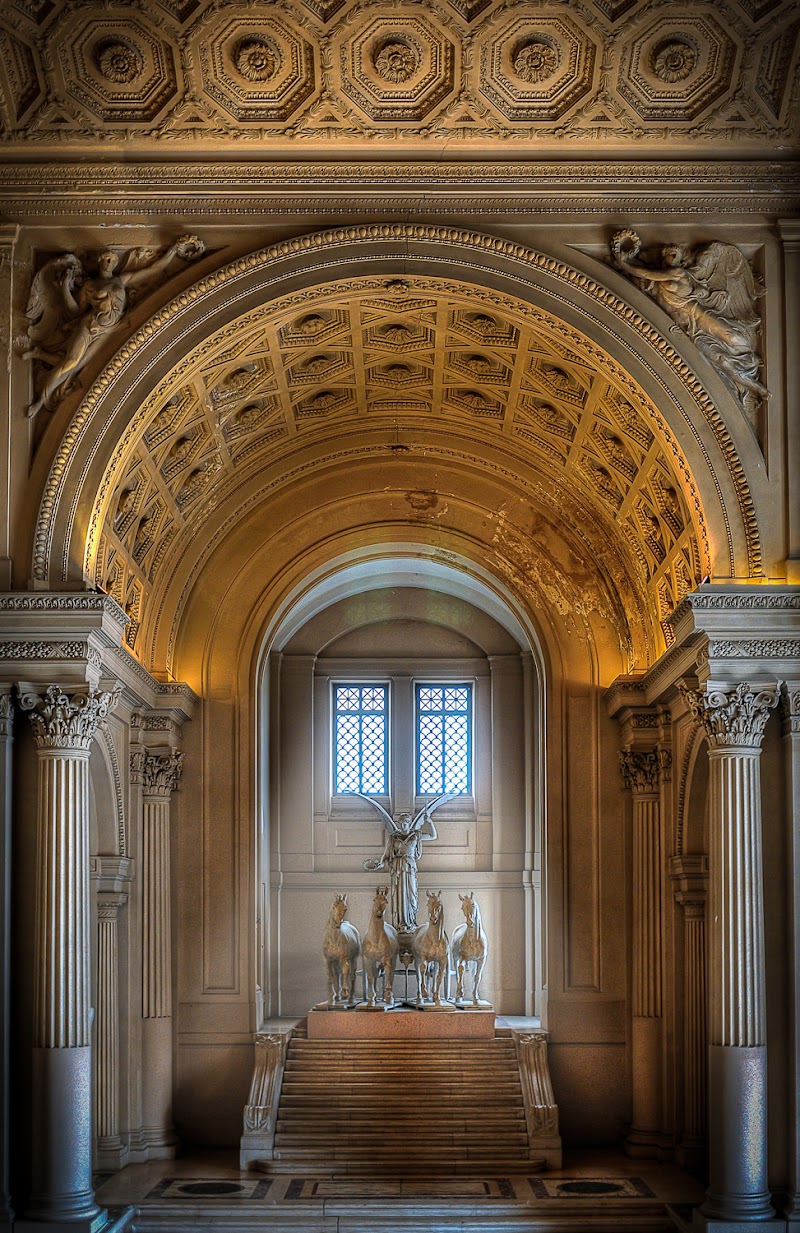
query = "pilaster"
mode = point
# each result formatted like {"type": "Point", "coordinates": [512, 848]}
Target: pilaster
{"type": "Point", "coordinates": [107, 1095]}
{"type": "Point", "coordinates": [6, 739]}
{"type": "Point", "coordinates": [642, 770]}
{"type": "Point", "coordinates": [790, 713]}
{"type": "Point", "coordinates": [158, 774]}
{"type": "Point", "coordinates": [64, 723]}
{"type": "Point", "coordinates": [690, 886]}
{"type": "Point", "coordinates": [734, 721]}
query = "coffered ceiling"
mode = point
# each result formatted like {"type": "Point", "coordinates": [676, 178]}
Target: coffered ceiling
{"type": "Point", "coordinates": [306, 77]}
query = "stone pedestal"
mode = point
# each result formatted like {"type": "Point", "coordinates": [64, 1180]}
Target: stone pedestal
{"type": "Point", "coordinates": [401, 1024]}
{"type": "Point", "coordinates": [64, 725]}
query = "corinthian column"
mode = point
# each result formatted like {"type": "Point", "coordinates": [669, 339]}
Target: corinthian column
{"type": "Point", "coordinates": [64, 725]}
{"type": "Point", "coordinates": [159, 775]}
{"type": "Point", "coordinates": [642, 771]}
{"type": "Point", "coordinates": [737, 1057]}
{"type": "Point", "coordinates": [791, 737]}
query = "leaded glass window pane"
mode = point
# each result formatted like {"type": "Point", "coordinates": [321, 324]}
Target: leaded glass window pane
{"type": "Point", "coordinates": [444, 739]}
{"type": "Point", "coordinates": [360, 732]}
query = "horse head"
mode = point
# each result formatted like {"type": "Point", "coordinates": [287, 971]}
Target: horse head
{"type": "Point", "coordinates": [435, 909]}
{"type": "Point", "coordinates": [381, 900]}
{"type": "Point", "coordinates": [469, 907]}
{"type": "Point", "coordinates": [339, 908]}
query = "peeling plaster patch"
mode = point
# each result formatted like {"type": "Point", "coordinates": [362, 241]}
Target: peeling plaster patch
{"type": "Point", "coordinates": [424, 501]}
{"type": "Point", "coordinates": [571, 588]}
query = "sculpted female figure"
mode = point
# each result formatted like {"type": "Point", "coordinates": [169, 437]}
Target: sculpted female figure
{"type": "Point", "coordinates": [74, 313]}
{"type": "Point", "coordinates": [401, 852]}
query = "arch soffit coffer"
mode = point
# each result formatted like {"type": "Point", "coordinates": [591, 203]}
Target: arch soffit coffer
{"type": "Point", "coordinates": [131, 394]}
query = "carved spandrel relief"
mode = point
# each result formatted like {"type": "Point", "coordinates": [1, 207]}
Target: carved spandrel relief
{"type": "Point", "coordinates": [74, 306]}
{"type": "Point", "coordinates": [316, 71]}
{"type": "Point", "coordinates": [712, 295]}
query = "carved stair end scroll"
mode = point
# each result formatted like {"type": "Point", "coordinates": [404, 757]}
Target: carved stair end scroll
{"type": "Point", "coordinates": [541, 1110]}
{"type": "Point", "coordinates": [261, 1110]}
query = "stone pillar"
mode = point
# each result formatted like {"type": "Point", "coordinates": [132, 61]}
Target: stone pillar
{"type": "Point", "coordinates": [737, 1056]}
{"type": "Point", "coordinates": [107, 1025]}
{"type": "Point", "coordinates": [159, 775]}
{"type": "Point", "coordinates": [791, 737]}
{"type": "Point", "coordinates": [6, 737]}
{"type": "Point", "coordinates": [641, 770]}
{"type": "Point", "coordinates": [690, 874]}
{"type": "Point", "coordinates": [64, 724]}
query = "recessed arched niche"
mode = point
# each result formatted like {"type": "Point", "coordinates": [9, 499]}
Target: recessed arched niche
{"type": "Point", "coordinates": [402, 624]}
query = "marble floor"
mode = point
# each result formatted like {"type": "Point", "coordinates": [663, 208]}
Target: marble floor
{"type": "Point", "coordinates": [600, 1190]}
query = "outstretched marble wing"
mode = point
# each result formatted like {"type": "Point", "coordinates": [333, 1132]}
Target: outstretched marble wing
{"type": "Point", "coordinates": [730, 288]}
{"type": "Point", "coordinates": [47, 308]}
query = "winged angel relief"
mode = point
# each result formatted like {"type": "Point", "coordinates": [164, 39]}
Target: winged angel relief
{"type": "Point", "coordinates": [71, 309]}
{"type": "Point", "coordinates": [711, 293]}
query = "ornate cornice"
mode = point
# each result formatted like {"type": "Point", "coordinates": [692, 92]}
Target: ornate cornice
{"type": "Point", "coordinates": [734, 719]}
{"type": "Point", "coordinates": [208, 190]}
{"type": "Point", "coordinates": [63, 602]}
{"type": "Point", "coordinates": [66, 721]}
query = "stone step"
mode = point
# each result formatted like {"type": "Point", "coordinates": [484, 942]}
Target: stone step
{"type": "Point", "coordinates": [438, 1151]}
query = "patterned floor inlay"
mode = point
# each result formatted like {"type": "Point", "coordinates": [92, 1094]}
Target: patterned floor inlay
{"type": "Point", "coordinates": [209, 1188]}
{"type": "Point", "coordinates": [590, 1188]}
{"type": "Point", "coordinates": [355, 1188]}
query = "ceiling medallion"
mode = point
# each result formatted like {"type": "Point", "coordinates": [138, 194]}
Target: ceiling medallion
{"type": "Point", "coordinates": [673, 60]}
{"type": "Point", "coordinates": [256, 60]}
{"type": "Point", "coordinates": [395, 61]}
{"type": "Point", "coordinates": [535, 60]}
{"type": "Point", "coordinates": [119, 62]}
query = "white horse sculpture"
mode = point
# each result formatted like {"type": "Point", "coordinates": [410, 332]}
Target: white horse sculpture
{"type": "Point", "coordinates": [469, 946]}
{"type": "Point", "coordinates": [379, 949]}
{"type": "Point", "coordinates": [340, 946]}
{"type": "Point", "coordinates": [430, 949]}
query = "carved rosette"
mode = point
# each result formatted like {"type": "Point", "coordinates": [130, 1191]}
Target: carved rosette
{"type": "Point", "coordinates": [735, 719]}
{"type": "Point", "coordinates": [68, 722]}
{"type": "Point", "coordinates": [643, 769]}
{"type": "Point", "coordinates": [158, 774]}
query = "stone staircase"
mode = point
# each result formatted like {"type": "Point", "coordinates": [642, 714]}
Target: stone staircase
{"type": "Point", "coordinates": [402, 1107]}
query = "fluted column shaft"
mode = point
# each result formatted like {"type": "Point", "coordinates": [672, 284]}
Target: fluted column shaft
{"type": "Point", "coordinates": [64, 726]}
{"type": "Point", "coordinates": [6, 737]}
{"type": "Point", "coordinates": [737, 1056]}
{"type": "Point", "coordinates": [791, 737]}
{"type": "Point", "coordinates": [690, 874]}
{"type": "Point", "coordinates": [642, 770]}
{"type": "Point", "coordinates": [159, 775]}
{"type": "Point", "coordinates": [107, 1026]}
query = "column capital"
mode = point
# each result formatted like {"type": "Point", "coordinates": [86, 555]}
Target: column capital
{"type": "Point", "coordinates": [790, 708]}
{"type": "Point", "coordinates": [66, 720]}
{"type": "Point", "coordinates": [6, 714]}
{"type": "Point", "coordinates": [643, 769]}
{"type": "Point", "coordinates": [733, 718]}
{"type": "Point", "coordinates": [158, 774]}
{"type": "Point", "coordinates": [109, 904]}
{"type": "Point", "coordinates": [690, 882]}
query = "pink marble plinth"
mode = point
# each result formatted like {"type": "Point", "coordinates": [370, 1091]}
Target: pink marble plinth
{"type": "Point", "coordinates": [400, 1025]}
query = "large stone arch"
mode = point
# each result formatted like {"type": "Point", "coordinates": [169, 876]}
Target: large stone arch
{"type": "Point", "coordinates": [701, 426]}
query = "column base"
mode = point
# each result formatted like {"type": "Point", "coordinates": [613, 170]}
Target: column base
{"type": "Point", "coordinates": [114, 1220]}
{"type": "Point", "coordinates": [712, 1224]}
{"type": "Point", "coordinates": [642, 1144]}
{"type": "Point", "coordinates": [738, 1193]}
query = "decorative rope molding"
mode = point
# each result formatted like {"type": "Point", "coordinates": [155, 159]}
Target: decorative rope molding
{"type": "Point", "coordinates": [327, 241]}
